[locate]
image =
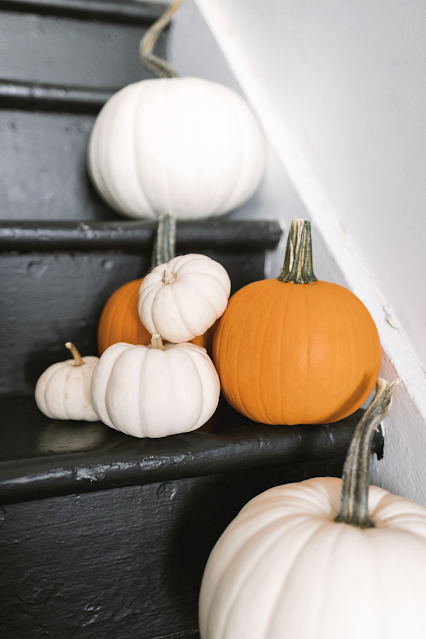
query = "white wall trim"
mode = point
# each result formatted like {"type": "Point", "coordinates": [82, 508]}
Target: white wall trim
{"type": "Point", "coordinates": [401, 470]}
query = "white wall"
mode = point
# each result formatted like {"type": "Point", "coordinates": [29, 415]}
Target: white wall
{"type": "Point", "coordinates": [350, 81]}
{"type": "Point", "coordinates": [340, 88]}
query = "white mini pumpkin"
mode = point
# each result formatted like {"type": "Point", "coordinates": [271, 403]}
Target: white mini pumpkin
{"type": "Point", "coordinates": [181, 299]}
{"type": "Point", "coordinates": [63, 390]}
{"type": "Point", "coordinates": [285, 567]}
{"type": "Point", "coordinates": [182, 144]}
{"type": "Point", "coordinates": [155, 391]}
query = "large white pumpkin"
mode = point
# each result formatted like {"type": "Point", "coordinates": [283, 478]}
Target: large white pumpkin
{"type": "Point", "coordinates": [285, 568]}
{"type": "Point", "coordinates": [151, 392]}
{"type": "Point", "coordinates": [182, 144]}
{"type": "Point", "coordinates": [182, 298]}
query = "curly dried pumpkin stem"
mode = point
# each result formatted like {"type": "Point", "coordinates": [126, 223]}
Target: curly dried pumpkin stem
{"type": "Point", "coordinates": [78, 360]}
{"type": "Point", "coordinates": [146, 45]}
{"type": "Point", "coordinates": [356, 471]}
{"type": "Point", "coordinates": [165, 239]}
{"type": "Point", "coordinates": [298, 266]}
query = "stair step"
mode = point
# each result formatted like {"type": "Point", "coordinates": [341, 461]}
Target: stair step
{"type": "Point", "coordinates": [41, 458]}
{"type": "Point", "coordinates": [40, 97]}
{"type": "Point", "coordinates": [140, 13]}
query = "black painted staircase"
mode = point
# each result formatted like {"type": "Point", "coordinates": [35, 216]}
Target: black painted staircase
{"type": "Point", "coordinates": [103, 535]}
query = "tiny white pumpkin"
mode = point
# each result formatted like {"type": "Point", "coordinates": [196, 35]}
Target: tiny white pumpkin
{"type": "Point", "coordinates": [63, 390]}
{"type": "Point", "coordinates": [181, 299]}
{"type": "Point", "coordinates": [155, 391]}
{"type": "Point", "coordinates": [182, 144]}
{"type": "Point", "coordinates": [286, 568]}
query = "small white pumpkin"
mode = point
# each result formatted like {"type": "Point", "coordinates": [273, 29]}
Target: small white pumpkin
{"type": "Point", "coordinates": [184, 297]}
{"type": "Point", "coordinates": [155, 391]}
{"type": "Point", "coordinates": [63, 390]}
{"type": "Point", "coordinates": [285, 567]}
{"type": "Point", "coordinates": [182, 144]}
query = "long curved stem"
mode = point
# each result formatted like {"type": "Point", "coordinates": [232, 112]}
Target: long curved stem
{"type": "Point", "coordinates": [165, 239]}
{"type": "Point", "coordinates": [356, 470]}
{"type": "Point", "coordinates": [146, 45]}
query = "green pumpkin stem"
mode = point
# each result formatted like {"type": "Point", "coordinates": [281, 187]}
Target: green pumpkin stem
{"type": "Point", "coordinates": [146, 45]}
{"type": "Point", "coordinates": [298, 266]}
{"type": "Point", "coordinates": [78, 360]}
{"type": "Point", "coordinates": [356, 470]}
{"type": "Point", "coordinates": [157, 342]}
{"type": "Point", "coordinates": [165, 240]}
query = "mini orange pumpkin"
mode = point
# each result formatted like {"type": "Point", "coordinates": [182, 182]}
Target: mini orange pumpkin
{"type": "Point", "coordinates": [119, 321]}
{"type": "Point", "coordinates": [296, 350]}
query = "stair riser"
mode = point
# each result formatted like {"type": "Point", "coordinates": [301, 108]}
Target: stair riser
{"type": "Point", "coordinates": [121, 563]}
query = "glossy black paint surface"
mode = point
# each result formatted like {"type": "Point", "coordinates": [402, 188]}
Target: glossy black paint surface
{"type": "Point", "coordinates": [137, 236]}
{"type": "Point", "coordinates": [42, 97]}
{"type": "Point", "coordinates": [40, 457]}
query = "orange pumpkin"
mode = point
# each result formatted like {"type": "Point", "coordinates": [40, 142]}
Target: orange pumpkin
{"type": "Point", "coordinates": [296, 350]}
{"type": "Point", "coordinates": [120, 321]}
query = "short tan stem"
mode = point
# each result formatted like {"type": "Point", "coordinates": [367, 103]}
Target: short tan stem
{"type": "Point", "coordinates": [78, 360]}
{"type": "Point", "coordinates": [298, 266]}
{"type": "Point", "coordinates": [356, 471]}
{"type": "Point", "coordinates": [146, 46]}
{"type": "Point", "coordinates": [157, 342]}
{"type": "Point", "coordinates": [168, 276]}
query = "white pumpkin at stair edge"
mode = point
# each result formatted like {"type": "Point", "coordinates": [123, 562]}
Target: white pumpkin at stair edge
{"type": "Point", "coordinates": [155, 391]}
{"type": "Point", "coordinates": [181, 299]}
{"type": "Point", "coordinates": [63, 390]}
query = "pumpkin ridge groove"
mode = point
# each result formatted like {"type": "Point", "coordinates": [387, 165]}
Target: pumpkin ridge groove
{"type": "Point", "coordinates": [237, 367]}
{"type": "Point", "coordinates": [200, 293]}
{"type": "Point", "coordinates": [279, 348]}
{"type": "Point", "coordinates": [306, 392]}
{"type": "Point", "coordinates": [321, 525]}
{"type": "Point", "coordinates": [142, 366]}
{"type": "Point", "coordinates": [229, 196]}
{"type": "Point", "coordinates": [140, 180]}
{"type": "Point", "coordinates": [47, 384]}
{"type": "Point", "coordinates": [107, 336]}
{"type": "Point", "coordinates": [122, 318]}
{"type": "Point", "coordinates": [167, 175]}
{"type": "Point", "coordinates": [65, 384]}
{"type": "Point", "coordinates": [213, 278]}
{"type": "Point", "coordinates": [255, 560]}
{"type": "Point", "coordinates": [130, 310]}
{"type": "Point", "coordinates": [184, 313]}
{"type": "Point", "coordinates": [110, 180]}
{"type": "Point", "coordinates": [266, 328]}
{"type": "Point", "coordinates": [336, 341]}
{"type": "Point", "coordinates": [340, 317]}
{"type": "Point", "coordinates": [200, 389]}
